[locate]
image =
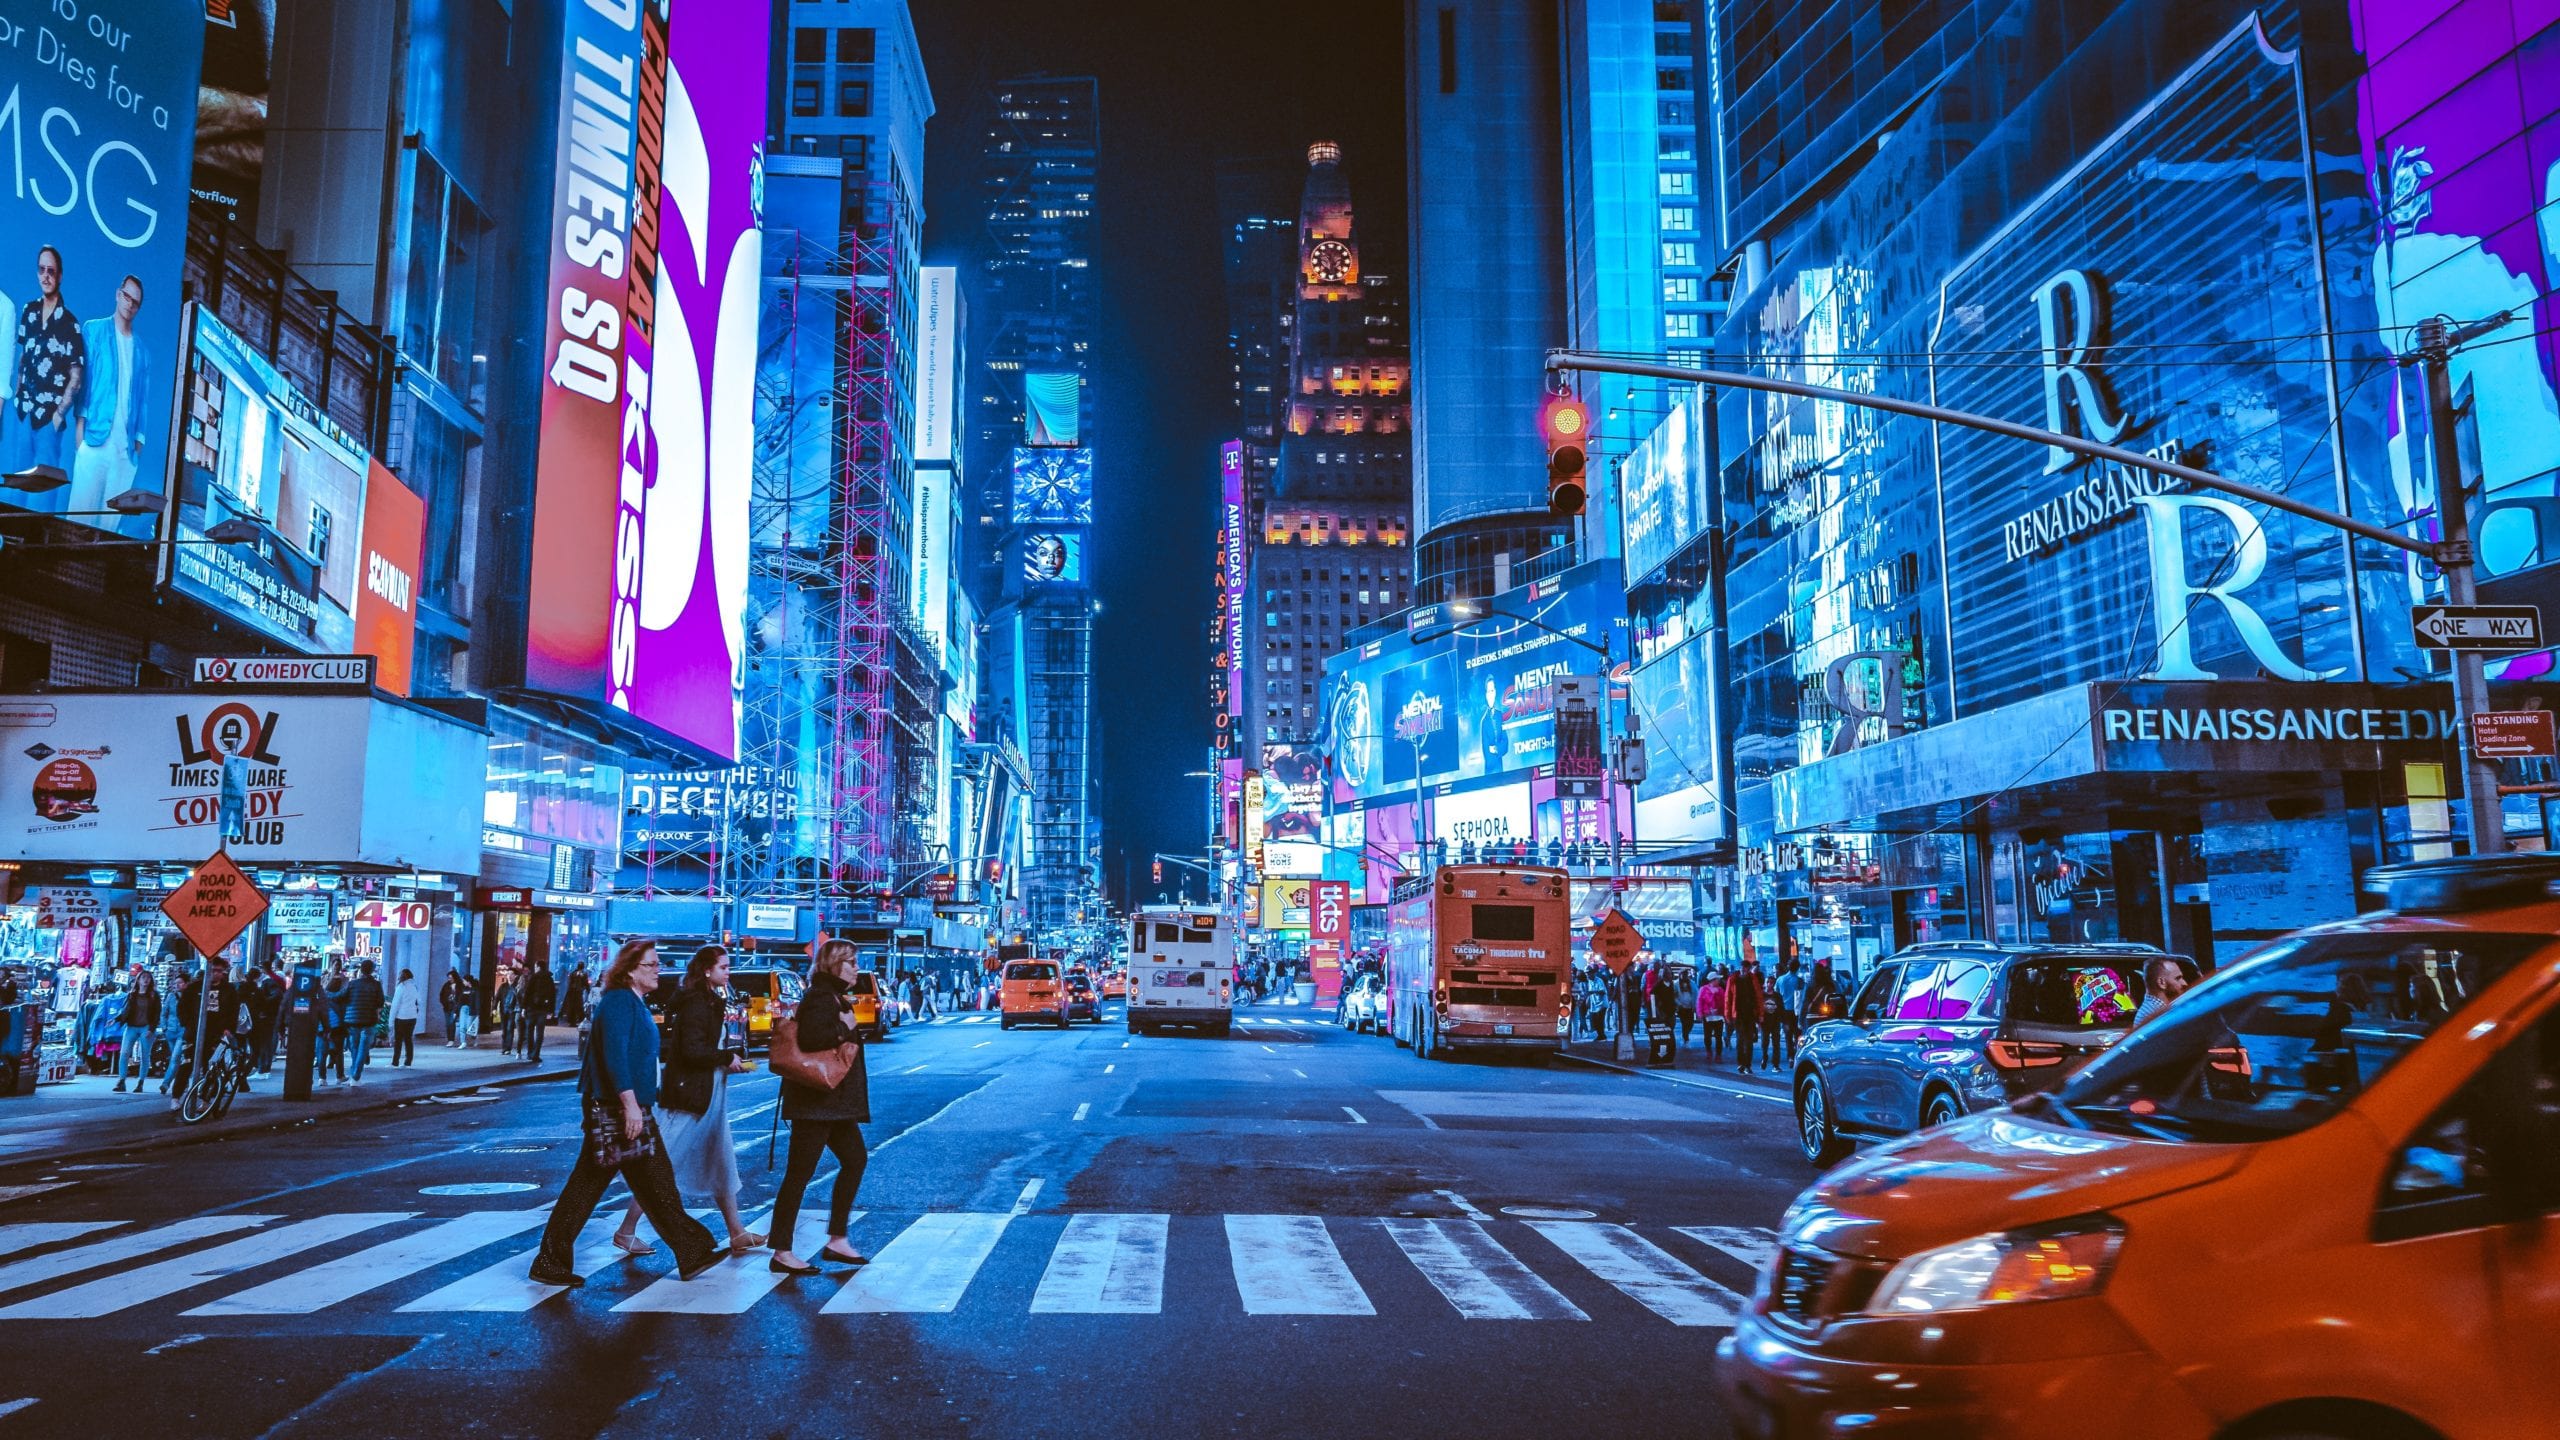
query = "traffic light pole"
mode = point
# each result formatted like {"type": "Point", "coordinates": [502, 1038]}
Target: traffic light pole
{"type": "Point", "coordinates": [2451, 555]}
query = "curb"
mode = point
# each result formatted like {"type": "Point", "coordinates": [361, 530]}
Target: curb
{"type": "Point", "coordinates": [196, 1135]}
{"type": "Point", "coordinates": [1735, 1088]}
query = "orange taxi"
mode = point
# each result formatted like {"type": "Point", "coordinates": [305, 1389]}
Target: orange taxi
{"type": "Point", "coordinates": [1032, 990]}
{"type": "Point", "coordinates": [2319, 1196]}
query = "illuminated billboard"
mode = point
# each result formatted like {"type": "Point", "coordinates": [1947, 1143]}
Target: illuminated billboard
{"type": "Point", "coordinates": [638, 580]}
{"type": "Point", "coordinates": [100, 135]}
{"type": "Point", "coordinates": [1050, 407]}
{"type": "Point", "coordinates": [1052, 487]}
{"type": "Point", "coordinates": [1053, 557]}
{"type": "Point", "coordinates": [1660, 486]}
{"type": "Point", "coordinates": [332, 567]}
{"type": "Point", "coordinates": [929, 594]}
{"type": "Point", "coordinates": [937, 361]}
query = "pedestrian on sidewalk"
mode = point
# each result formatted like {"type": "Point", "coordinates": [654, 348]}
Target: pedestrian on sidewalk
{"type": "Point", "coordinates": [1822, 995]}
{"type": "Point", "coordinates": [1745, 996]}
{"type": "Point", "coordinates": [211, 992]}
{"type": "Point", "coordinates": [510, 1009]}
{"type": "Point", "coordinates": [824, 1121]}
{"type": "Point", "coordinates": [364, 1011]}
{"type": "Point", "coordinates": [1711, 1013]}
{"type": "Point", "coordinates": [449, 999]}
{"type": "Point", "coordinates": [470, 1030]}
{"type": "Point", "coordinates": [693, 1102]}
{"type": "Point", "coordinates": [266, 1014]}
{"type": "Point", "coordinates": [1685, 994]}
{"type": "Point", "coordinates": [408, 1007]}
{"type": "Point", "coordinates": [1789, 989]}
{"type": "Point", "coordinates": [1773, 1024]}
{"type": "Point", "coordinates": [535, 998]}
{"type": "Point", "coordinates": [137, 1024]}
{"type": "Point", "coordinates": [573, 1006]}
{"type": "Point", "coordinates": [616, 1087]}
{"type": "Point", "coordinates": [331, 1054]}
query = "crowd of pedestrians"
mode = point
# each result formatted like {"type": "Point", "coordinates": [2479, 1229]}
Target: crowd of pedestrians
{"type": "Point", "coordinates": [1740, 1014]}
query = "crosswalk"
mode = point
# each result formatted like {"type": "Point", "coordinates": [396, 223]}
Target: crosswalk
{"type": "Point", "coordinates": [1480, 1267]}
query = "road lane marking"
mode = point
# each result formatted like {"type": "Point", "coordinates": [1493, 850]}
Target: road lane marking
{"type": "Point", "coordinates": [981, 1045]}
{"type": "Point", "coordinates": [1084, 1108]}
{"type": "Point", "coordinates": [1022, 1202]}
{"type": "Point", "coordinates": [754, 1111]}
{"type": "Point", "coordinates": [1266, 1047]}
{"type": "Point", "coordinates": [12, 1407]}
{"type": "Point", "coordinates": [1105, 1265]}
{"type": "Point", "coordinates": [925, 1270]}
{"type": "Point", "coordinates": [14, 1238]}
{"type": "Point", "coordinates": [1107, 1069]}
{"type": "Point", "coordinates": [1301, 1074]}
{"type": "Point", "coordinates": [506, 1288]}
{"type": "Point", "coordinates": [348, 1276]}
{"type": "Point", "coordinates": [109, 1294]}
{"type": "Point", "coordinates": [1287, 1265]}
{"type": "Point", "coordinates": [917, 1070]}
{"type": "Point", "coordinates": [21, 1192]}
{"type": "Point", "coordinates": [1356, 1117]}
{"type": "Point", "coordinates": [1474, 1273]}
{"type": "Point", "coordinates": [929, 1119]}
{"type": "Point", "coordinates": [1462, 1202]}
{"type": "Point", "coordinates": [736, 1282]}
{"type": "Point", "coordinates": [1643, 1271]}
{"type": "Point", "coordinates": [1752, 1246]}
{"type": "Point", "coordinates": [123, 1247]}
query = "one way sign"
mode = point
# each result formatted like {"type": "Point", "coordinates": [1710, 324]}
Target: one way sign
{"type": "Point", "coordinates": [2477, 627]}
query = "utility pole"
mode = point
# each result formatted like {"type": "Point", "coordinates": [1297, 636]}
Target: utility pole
{"type": "Point", "coordinates": [2436, 340]}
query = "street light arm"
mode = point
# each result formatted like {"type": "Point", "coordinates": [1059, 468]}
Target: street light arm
{"type": "Point", "coordinates": [1563, 360]}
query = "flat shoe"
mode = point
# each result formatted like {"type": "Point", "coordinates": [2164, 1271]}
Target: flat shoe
{"type": "Point", "coordinates": [778, 1268]}
{"type": "Point", "coordinates": [688, 1272]}
{"type": "Point", "coordinates": [838, 1256]}
{"type": "Point", "coordinates": [633, 1245]}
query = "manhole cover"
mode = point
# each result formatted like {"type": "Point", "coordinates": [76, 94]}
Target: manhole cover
{"type": "Point", "coordinates": [1541, 1212]}
{"type": "Point", "coordinates": [484, 1187]}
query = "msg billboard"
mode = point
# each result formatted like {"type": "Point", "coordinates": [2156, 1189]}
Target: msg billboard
{"type": "Point", "coordinates": [97, 139]}
{"type": "Point", "coordinates": [638, 585]}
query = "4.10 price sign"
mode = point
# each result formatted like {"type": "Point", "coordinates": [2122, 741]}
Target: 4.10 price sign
{"type": "Point", "coordinates": [393, 915]}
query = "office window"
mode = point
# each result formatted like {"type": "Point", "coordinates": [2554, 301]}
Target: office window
{"type": "Point", "coordinates": [855, 47]}
{"type": "Point", "coordinates": [809, 47]}
{"type": "Point", "coordinates": [1679, 218]}
{"type": "Point", "coordinates": [1680, 327]}
{"type": "Point", "coordinates": [1679, 253]}
{"type": "Point", "coordinates": [1679, 182]}
{"type": "Point", "coordinates": [1448, 51]}
{"type": "Point", "coordinates": [853, 99]}
{"type": "Point", "coordinates": [1680, 289]}
{"type": "Point", "coordinates": [804, 98]}
{"type": "Point", "coordinates": [1679, 112]}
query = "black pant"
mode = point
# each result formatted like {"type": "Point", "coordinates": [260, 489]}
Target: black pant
{"type": "Point", "coordinates": [809, 1140]}
{"type": "Point", "coordinates": [1746, 1039]}
{"type": "Point", "coordinates": [533, 1027]}
{"type": "Point", "coordinates": [652, 1181]}
{"type": "Point", "coordinates": [404, 1042]}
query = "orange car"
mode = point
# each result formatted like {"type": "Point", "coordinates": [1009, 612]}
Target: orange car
{"type": "Point", "coordinates": [2319, 1196]}
{"type": "Point", "coordinates": [1032, 990]}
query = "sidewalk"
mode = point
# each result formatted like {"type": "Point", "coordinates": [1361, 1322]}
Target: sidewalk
{"type": "Point", "coordinates": [1689, 1066]}
{"type": "Point", "coordinates": [85, 1116]}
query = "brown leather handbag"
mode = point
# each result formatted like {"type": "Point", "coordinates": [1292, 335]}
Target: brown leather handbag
{"type": "Point", "coordinates": [824, 1070]}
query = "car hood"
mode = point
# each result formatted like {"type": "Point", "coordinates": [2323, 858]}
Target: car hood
{"type": "Point", "coordinates": [1995, 1171]}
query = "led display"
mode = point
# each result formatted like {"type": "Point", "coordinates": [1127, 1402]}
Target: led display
{"type": "Point", "coordinates": [1053, 557]}
{"type": "Point", "coordinates": [1052, 487]}
{"type": "Point", "coordinates": [1051, 408]}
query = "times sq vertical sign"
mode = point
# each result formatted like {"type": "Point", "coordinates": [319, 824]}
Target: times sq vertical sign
{"type": "Point", "coordinates": [1226, 686]}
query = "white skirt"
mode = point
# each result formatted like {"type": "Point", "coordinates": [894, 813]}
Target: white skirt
{"type": "Point", "coordinates": [698, 1146]}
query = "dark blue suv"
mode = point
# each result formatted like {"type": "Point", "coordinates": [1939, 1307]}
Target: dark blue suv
{"type": "Point", "coordinates": [1951, 1027]}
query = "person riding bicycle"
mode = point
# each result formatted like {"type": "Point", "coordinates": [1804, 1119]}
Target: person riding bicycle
{"type": "Point", "coordinates": [219, 1022]}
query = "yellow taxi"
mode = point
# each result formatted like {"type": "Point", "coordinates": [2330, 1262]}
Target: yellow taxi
{"type": "Point", "coordinates": [2317, 1198]}
{"type": "Point", "coordinates": [1032, 990]}
{"type": "Point", "coordinates": [867, 1007]}
{"type": "Point", "coordinates": [1115, 983]}
{"type": "Point", "coordinates": [761, 989]}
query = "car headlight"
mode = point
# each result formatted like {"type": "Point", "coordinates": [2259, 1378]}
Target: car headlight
{"type": "Point", "coordinates": [2061, 1261]}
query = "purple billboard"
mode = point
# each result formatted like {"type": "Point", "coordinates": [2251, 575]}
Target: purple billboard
{"type": "Point", "coordinates": [638, 585]}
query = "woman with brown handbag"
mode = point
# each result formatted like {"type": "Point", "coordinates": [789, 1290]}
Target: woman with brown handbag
{"type": "Point", "coordinates": [826, 1095]}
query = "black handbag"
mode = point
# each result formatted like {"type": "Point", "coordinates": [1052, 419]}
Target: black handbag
{"type": "Point", "coordinates": [614, 1148]}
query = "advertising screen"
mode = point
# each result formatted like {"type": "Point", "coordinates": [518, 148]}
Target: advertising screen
{"type": "Point", "coordinates": [638, 584]}
{"type": "Point", "coordinates": [1292, 791]}
{"type": "Point", "coordinates": [1661, 486]}
{"type": "Point", "coordinates": [930, 594]}
{"type": "Point", "coordinates": [1675, 700]}
{"type": "Point", "coordinates": [1050, 408]}
{"type": "Point", "coordinates": [256, 450]}
{"type": "Point", "coordinates": [97, 137]}
{"type": "Point", "coordinates": [1231, 566]}
{"type": "Point", "coordinates": [937, 361]}
{"type": "Point", "coordinates": [1284, 903]}
{"type": "Point", "coordinates": [1495, 815]}
{"type": "Point", "coordinates": [1421, 723]}
{"type": "Point", "coordinates": [1053, 557]}
{"type": "Point", "coordinates": [1052, 487]}
{"type": "Point", "coordinates": [395, 537]}
{"type": "Point", "coordinates": [1390, 842]}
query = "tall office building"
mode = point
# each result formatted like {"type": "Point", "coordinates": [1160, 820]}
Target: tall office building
{"type": "Point", "coordinates": [1488, 259]}
{"type": "Point", "coordinates": [1258, 240]}
{"type": "Point", "coordinates": [1030, 472]}
{"type": "Point", "coordinates": [1330, 548]}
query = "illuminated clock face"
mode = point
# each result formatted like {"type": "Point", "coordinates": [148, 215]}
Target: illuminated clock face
{"type": "Point", "coordinates": [1331, 261]}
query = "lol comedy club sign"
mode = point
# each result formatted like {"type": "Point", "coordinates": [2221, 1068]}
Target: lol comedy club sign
{"type": "Point", "coordinates": [145, 777]}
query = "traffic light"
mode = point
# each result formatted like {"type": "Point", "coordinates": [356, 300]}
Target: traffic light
{"type": "Point", "coordinates": [1567, 425]}
{"type": "Point", "coordinates": [1159, 872]}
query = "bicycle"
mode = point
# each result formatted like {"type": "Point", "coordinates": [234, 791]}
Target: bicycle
{"type": "Point", "coordinates": [212, 1086]}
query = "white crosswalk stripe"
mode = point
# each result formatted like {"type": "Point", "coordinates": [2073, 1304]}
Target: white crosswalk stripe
{"type": "Point", "coordinates": [936, 1263]}
{"type": "Point", "coordinates": [109, 1294]}
{"type": "Point", "coordinates": [1644, 1271]}
{"type": "Point", "coordinates": [41, 1268]}
{"type": "Point", "coordinates": [348, 1276]}
{"type": "Point", "coordinates": [1470, 1267]}
{"type": "Point", "coordinates": [35, 1234]}
{"type": "Point", "coordinates": [1106, 1265]}
{"type": "Point", "coordinates": [1287, 1265]}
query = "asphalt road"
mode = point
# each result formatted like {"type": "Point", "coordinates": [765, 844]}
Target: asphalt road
{"type": "Point", "coordinates": [1291, 1231]}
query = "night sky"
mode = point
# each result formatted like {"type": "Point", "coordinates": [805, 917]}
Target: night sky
{"type": "Point", "coordinates": [1184, 84]}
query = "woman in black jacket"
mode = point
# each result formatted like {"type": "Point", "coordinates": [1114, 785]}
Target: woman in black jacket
{"type": "Point", "coordinates": [693, 1101]}
{"type": "Point", "coordinates": [824, 1120]}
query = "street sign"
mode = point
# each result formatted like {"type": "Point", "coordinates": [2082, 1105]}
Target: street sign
{"type": "Point", "coordinates": [279, 671]}
{"type": "Point", "coordinates": [1616, 941]}
{"type": "Point", "coordinates": [2512, 734]}
{"type": "Point", "coordinates": [215, 904]}
{"type": "Point", "coordinates": [2477, 627]}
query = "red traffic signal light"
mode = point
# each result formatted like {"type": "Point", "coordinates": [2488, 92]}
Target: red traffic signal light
{"type": "Point", "coordinates": [1159, 872]}
{"type": "Point", "coordinates": [1566, 423]}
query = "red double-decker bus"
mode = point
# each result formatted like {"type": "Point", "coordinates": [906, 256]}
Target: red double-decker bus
{"type": "Point", "coordinates": [1480, 955]}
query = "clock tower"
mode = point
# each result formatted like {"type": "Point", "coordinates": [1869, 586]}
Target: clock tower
{"type": "Point", "coordinates": [1328, 243]}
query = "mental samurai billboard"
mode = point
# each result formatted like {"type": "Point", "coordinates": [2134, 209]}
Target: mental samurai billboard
{"type": "Point", "coordinates": [97, 137]}
{"type": "Point", "coordinates": [637, 589]}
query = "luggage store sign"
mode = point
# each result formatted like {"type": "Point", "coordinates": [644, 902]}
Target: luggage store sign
{"type": "Point", "coordinates": [140, 777]}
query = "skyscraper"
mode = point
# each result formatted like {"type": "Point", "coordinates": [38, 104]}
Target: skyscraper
{"type": "Point", "coordinates": [1258, 237]}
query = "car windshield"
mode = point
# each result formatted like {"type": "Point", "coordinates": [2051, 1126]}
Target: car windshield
{"type": "Point", "coordinates": [1036, 971]}
{"type": "Point", "coordinates": [2284, 1040]}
